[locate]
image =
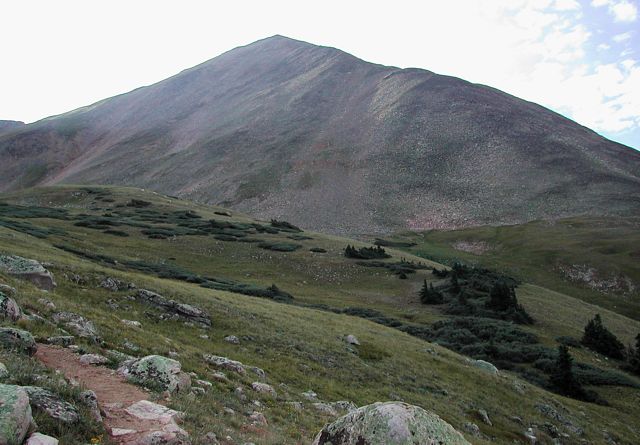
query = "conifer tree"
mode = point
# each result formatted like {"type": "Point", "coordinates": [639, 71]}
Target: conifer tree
{"type": "Point", "coordinates": [562, 377]}
{"type": "Point", "coordinates": [597, 337]}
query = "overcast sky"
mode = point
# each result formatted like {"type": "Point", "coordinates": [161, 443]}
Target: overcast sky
{"type": "Point", "coordinates": [578, 57]}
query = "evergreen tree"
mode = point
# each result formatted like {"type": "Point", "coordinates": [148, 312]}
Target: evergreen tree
{"type": "Point", "coordinates": [633, 357]}
{"type": "Point", "coordinates": [562, 378]}
{"type": "Point", "coordinates": [502, 297]}
{"type": "Point", "coordinates": [455, 286]}
{"type": "Point", "coordinates": [428, 295]}
{"type": "Point", "coordinates": [597, 337]}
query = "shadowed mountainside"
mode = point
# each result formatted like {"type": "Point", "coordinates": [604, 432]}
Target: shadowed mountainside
{"type": "Point", "coordinates": [286, 129]}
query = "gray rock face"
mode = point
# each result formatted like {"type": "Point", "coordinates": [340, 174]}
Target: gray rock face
{"type": "Point", "coordinates": [389, 423]}
{"type": "Point", "coordinates": [27, 269]}
{"type": "Point", "coordinates": [17, 340]}
{"type": "Point", "coordinates": [157, 372]}
{"type": "Point", "coordinates": [52, 405]}
{"type": "Point", "coordinates": [9, 308]}
{"type": "Point", "coordinates": [78, 324]}
{"type": "Point", "coordinates": [15, 414]}
{"type": "Point", "coordinates": [174, 308]}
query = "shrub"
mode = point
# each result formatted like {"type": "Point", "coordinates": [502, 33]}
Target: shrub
{"type": "Point", "coordinates": [569, 341]}
{"type": "Point", "coordinates": [318, 250]}
{"type": "Point", "coordinates": [279, 247]}
{"type": "Point", "coordinates": [116, 232]}
{"type": "Point", "coordinates": [285, 226]}
{"type": "Point", "coordinates": [138, 203]}
{"type": "Point", "coordinates": [366, 253]}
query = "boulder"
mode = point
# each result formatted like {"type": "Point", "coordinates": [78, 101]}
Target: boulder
{"type": "Point", "coordinates": [132, 323]}
{"type": "Point", "coordinates": [47, 303]}
{"type": "Point", "coordinates": [325, 408]}
{"type": "Point", "coordinates": [156, 372]}
{"type": "Point", "coordinates": [173, 308]}
{"type": "Point", "coordinates": [78, 324]}
{"type": "Point", "coordinates": [113, 284]}
{"type": "Point", "coordinates": [263, 388]}
{"type": "Point", "coordinates": [485, 366]}
{"type": "Point", "coordinates": [225, 363]}
{"type": "Point", "coordinates": [146, 410]}
{"type": "Point", "coordinates": [15, 415]}
{"type": "Point", "coordinates": [7, 290]}
{"type": "Point", "coordinates": [17, 340]}
{"type": "Point", "coordinates": [41, 439]}
{"type": "Point", "coordinates": [352, 340]}
{"type": "Point", "coordinates": [4, 372]}
{"type": "Point", "coordinates": [61, 340]}
{"type": "Point", "coordinates": [27, 269]}
{"type": "Point", "coordinates": [90, 400]}
{"type": "Point", "coordinates": [232, 339]}
{"type": "Point", "coordinates": [9, 309]}
{"type": "Point", "coordinates": [93, 359]}
{"type": "Point", "coordinates": [389, 423]}
{"type": "Point", "coordinates": [51, 404]}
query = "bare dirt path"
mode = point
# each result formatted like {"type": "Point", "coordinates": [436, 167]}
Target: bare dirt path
{"type": "Point", "coordinates": [114, 394]}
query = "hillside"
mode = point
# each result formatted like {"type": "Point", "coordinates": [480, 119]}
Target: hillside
{"type": "Point", "coordinates": [97, 240]}
{"type": "Point", "coordinates": [286, 129]}
{"type": "Point", "coordinates": [594, 259]}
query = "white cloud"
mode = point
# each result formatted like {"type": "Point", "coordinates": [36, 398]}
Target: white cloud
{"type": "Point", "coordinates": [566, 5]}
{"type": "Point", "coordinates": [603, 47]}
{"type": "Point", "coordinates": [621, 10]}
{"type": "Point", "coordinates": [618, 38]}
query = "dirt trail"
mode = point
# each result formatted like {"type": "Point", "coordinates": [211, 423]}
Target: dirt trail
{"type": "Point", "coordinates": [114, 394]}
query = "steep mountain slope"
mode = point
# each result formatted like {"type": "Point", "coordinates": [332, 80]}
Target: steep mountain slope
{"type": "Point", "coordinates": [97, 240]}
{"type": "Point", "coordinates": [7, 126]}
{"type": "Point", "coordinates": [283, 128]}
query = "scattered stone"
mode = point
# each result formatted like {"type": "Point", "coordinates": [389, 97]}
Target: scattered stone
{"type": "Point", "coordinates": [49, 403]}
{"type": "Point", "coordinates": [156, 372]}
{"type": "Point", "coordinates": [18, 340]}
{"type": "Point", "coordinates": [132, 323]}
{"type": "Point", "coordinates": [204, 336]}
{"type": "Point", "coordinates": [47, 303]}
{"type": "Point", "coordinates": [204, 383]}
{"type": "Point", "coordinates": [352, 340]}
{"type": "Point", "coordinates": [4, 372]}
{"type": "Point", "coordinates": [93, 359]}
{"type": "Point", "coordinates": [225, 363]}
{"type": "Point", "coordinates": [146, 410]}
{"type": "Point", "coordinates": [41, 439]}
{"type": "Point", "coordinates": [530, 435]}
{"type": "Point", "coordinates": [27, 269]}
{"type": "Point", "coordinates": [118, 356]}
{"type": "Point", "coordinates": [90, 400]}
{"type": "Point", "coordinates": [211, 439]}
{"type": "Point", "coordinates": [232, 339]}
{"type": "Point", "coordinates": [229, 411]}
{"type": "Point", "coordinates": [219, 377]}
{"type": "Point", "coordinates": [239, 392]}
{"type": "Point", "coordinates": [264, 388]}
{"type": "Point", "coordinates": [113, 284]}
{"type": "Point", "coordinates": [174, 308]}
{"type": "Point", "coordinates": [9, 308]}
{"type": "Point", "coordinates": [555, 414]}
{"type": "Point", "coordinates": [298, 406]}
{"type": "Point", "coordinates": [119, 432]}
{"type": "Point", "coordinates": [7, 290]}
{"type": "Point", "coordinates": [484, 417]}
{"type": "Point", "coordinates": [173, 354]}
{"type": "Point", "coordinates": [130, 346]}
{"type": "Point", "coordinates": [485, 366]}
{"type": "Point", "coordinates": [61, 340]}
{"type": "Point", "coordinates": [78, 324]}
{"type": "Point", "coordinates": [390, 423]}
{"type": "Point", "coordinates": [257, 418]}
{"type": "Point", "coordinates": [15, 414]}
{"type": "Point", "coordinates": [344, 405]}
{"type": "Point", "coordinates": [310, 395]}
{"type": "Point", "coordinates": [519, 387]}
{"type": "Point", "coordinates": [472, 429]}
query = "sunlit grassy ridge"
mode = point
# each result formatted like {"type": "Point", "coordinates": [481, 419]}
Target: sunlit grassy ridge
{"type": "Point", "coordinates": [299, 347]}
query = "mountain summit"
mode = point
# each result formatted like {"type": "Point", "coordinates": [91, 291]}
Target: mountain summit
{"type": "Point", "coordinates": [283, 128]}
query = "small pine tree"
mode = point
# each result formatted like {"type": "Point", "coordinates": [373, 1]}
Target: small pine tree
{"type": "Point", "coordinates": [562, 378]}
{"type": "Point", "coordinates": [633, 357]}
{"type": "Point", "coordinates": [502, 297]}
{"type": "Point", "coordinates": [597, 337]}
{"type": "Point", "coordinates": [455, 285]}
{"type": "Point", "coordinates": [428, 295]}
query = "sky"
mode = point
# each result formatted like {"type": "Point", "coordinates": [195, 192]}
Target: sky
{"type": "Point", "coordinates": [580, 58]}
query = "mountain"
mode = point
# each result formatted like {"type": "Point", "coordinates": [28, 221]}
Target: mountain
{"type": "Point", "coordinates": [286, 129]}
{"type": "Point", "coordinates": [6, 126]}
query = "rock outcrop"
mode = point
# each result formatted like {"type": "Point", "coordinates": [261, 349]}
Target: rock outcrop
{"type": "Point", "coordinates": [9, 309]}
{"type": "Point", "coordinates": [78, 324]}
{"type": "Point", "coordinates": [51, 404]}
{"type": "Point", "coordinates": [27, 269]}
{"type": "Point", "coordinates": [173, 308]}
{"type": "Point", "coordinates": [389, 423]}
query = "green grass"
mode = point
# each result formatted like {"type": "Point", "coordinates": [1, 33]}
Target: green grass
{"type": "Point", "coordinates": [299, 344]}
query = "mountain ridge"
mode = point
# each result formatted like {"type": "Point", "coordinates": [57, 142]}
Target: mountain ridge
{"type": "Point", "coordinates": [283, 128]}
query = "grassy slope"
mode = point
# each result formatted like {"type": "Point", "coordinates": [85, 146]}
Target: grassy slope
{"type": "Point", "coordinates": [536, 251]}
{"type": "Point", "coordinates": [301, 347]}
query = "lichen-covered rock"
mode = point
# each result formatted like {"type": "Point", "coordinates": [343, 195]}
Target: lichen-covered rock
{"type": "Point", "coordinates": [27, 269]}
{"type": "Point", "coordinates": [7, 290]}
{"type": "Point", "coordinates": [156, 372]}
{"type": "Point", "coordinates": [4, 372]}
{"type": "Point", "coordinates": [17, 340]}
{"type": "Point", "coordinates": [78, 324]}
{"type": "Point", "coordinates": [264, 388]}
{"type": "Point", "coordinates": [389, 423]}
{"type": "Point", "coordinates": [61, 340]}
{"type": "Point", "coordinates": [174, 308]}
{"type": "Point", "coordinates": [93, 359]}
{"type": "Point", "coordinates": [15, 415]}
{"type": "Point", "coordinates": [41, 439]}
{"type": "Point", "coordinates": [90, 400]}
{"type": "Point", "coordinates": [225, 363]}
{"type": "Point", "coordinates": [51, 404]}
{"type": "Point", "coordinates": [352, 340]}
{"type": "Point", "coordinates": [9, 308]}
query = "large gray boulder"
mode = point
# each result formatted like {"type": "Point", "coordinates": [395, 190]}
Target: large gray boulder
{"type": "Point", "coordinates": [389, 423]}
{"type": "Point", "coordinates": [17, 340]}
{"type": "Point", "coordinates": [27, 269]}
{"type": "Point", "coordinates": [9, 309]}
{"type": "Point", "coordinates": [173, 308]}
{"type": "Point", "coordinates": [78, 324]}
{"type": "Point", "coordinates": [41, 439]}
{"type": "Point", "coordinates": [156, 372]}
{"type": "Point", "coordinates": [51, 404]}
{"type": "Point", "coordinates": [15, 415]}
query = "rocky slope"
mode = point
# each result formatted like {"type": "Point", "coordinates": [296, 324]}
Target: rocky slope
{"type": "Point", "coordinates": [283, 128]}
